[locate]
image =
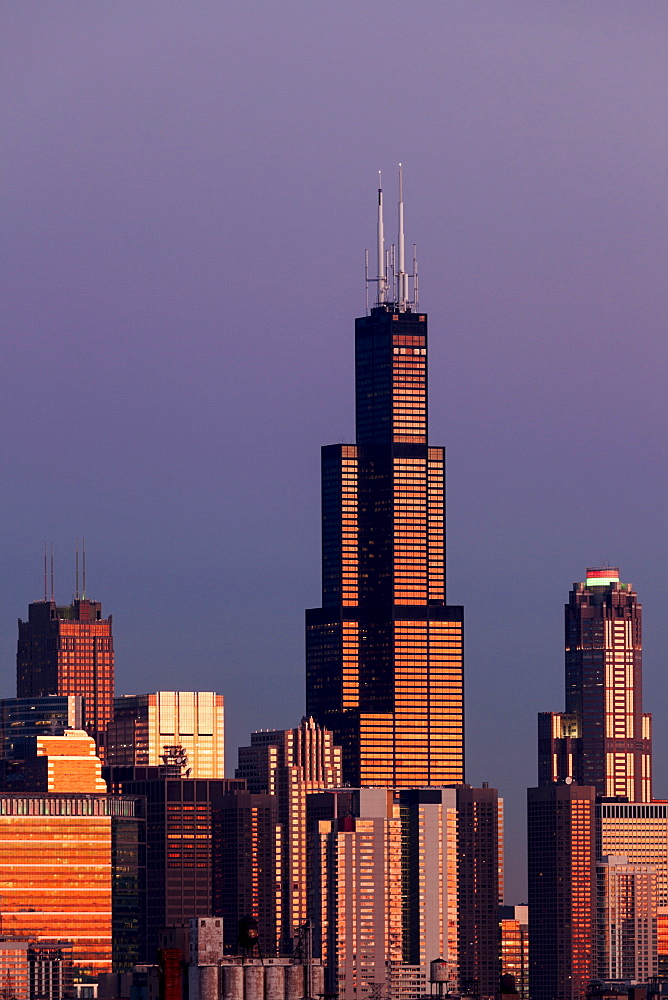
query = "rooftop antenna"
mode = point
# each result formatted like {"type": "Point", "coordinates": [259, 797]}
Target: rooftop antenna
{"type": "Point", "coordinates": [52, 591]}
{"type": "Point", "coordinates": [402, 277]}
{"type": "Point", "coordinates": [382, 277]}
{"type": "Point", "coordinates": [45, 572]}
{"type": "Point", "coordinates": [76, 562]}
{"type": "Point", "coordinates": [83, 557]}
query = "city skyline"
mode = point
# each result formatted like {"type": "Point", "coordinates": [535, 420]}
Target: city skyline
{"type": "Point", "coordinates": [167, 313]}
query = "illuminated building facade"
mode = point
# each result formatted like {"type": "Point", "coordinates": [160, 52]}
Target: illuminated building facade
{"type": "Point", "coordinates": [247, 853]}
{"type": "Point", "coordinates": [72, 859]}
{"type": "Point", "coordinates": [70, 867]}
{"type": "Point", "coordinates": [356, 892]}
{"type": "Point", "coordinates": [290, 764]}
{"type": "Point", "coordinates": [480, 856]}
{"type": "Point", "coordinates": [68, 650]}
{"type": "Point", "coordinates": [639, 832]}
{"type": "Point", "coordinates": [626, 917]}
{"type": "Point", "coordinates": [514, 924]}
{"type": "Point", "coordinates": [430, 879]}
{"type": "Point", "coordinates": [23, 718]}
{"type": "Point", "coordinates": [384, 653]}
{"type": "Point", "coordinates": [562, 890]}
{"type": "Point", "coordinates": [603, 738]}
{"type": "Point", "coordinates": [144, 725]}
{"type": "Point", "coordinates": [179, 842]}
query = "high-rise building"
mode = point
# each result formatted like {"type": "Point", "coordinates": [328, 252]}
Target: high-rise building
{"type": "Point", "coordinates": [384, 652]}
{"type": "Point", "coordinates": [480, 864]}
{"type": "Point", "coordinates": [356, 893]}
{"type": "Point", "coordinates": [514, 923]}
{"type": "Point", "coordinates": [179, 841]}
{"type": "Point", "coordinates": [430, 880]}
{"type": "Point", "coordinates": [601, 744]}
{"type": "Point", "coordinates": [603, 738]}
{"type": "Point", "coordinates": [68, 650]}
{"type": "Point", "coordinates": [290, 764]}
{"type": "Point", "coordinates": [145, 726]}
{"type": "Point", "coordinates": [247, 853]}
{"type": "Point", "coordinates": [71, 861]}
{"type": "Point", "coordinates": [23, 718]}
{"type": "Point", "coordinates": [626, 919]}
{"type": "Point", "coordinates": [562, 890]}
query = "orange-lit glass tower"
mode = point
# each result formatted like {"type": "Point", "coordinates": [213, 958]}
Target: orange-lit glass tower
{"type": "Point", "coordinates": [384, 652]}
{"type": "Point", "coordinates": [68, 651]}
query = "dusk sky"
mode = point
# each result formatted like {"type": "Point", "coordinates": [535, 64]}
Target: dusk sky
{"type": "Point", "coordinates": [188, 189]}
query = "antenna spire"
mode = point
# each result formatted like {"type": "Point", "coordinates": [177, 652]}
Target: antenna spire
{"type": "Point", "coordinates": [83, 556]}
{"type": "Point", "coordinates": [76, 561]}
{"type": "Point", "coordinates": [402, 277]}
{"type": "Point", "coordinates": [382, 280]}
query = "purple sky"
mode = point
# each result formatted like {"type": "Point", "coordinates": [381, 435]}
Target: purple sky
{"type": "Point", "coordinates": [188, 189]}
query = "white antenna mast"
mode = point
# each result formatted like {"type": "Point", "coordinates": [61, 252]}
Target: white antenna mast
{"type": "Point", "coordinates": [382, 279]}
{"type": "Point", "coordinates": [402, 277]}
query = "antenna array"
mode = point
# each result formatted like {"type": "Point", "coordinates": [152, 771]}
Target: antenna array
{"type": "Point", "coordinates": [394, 294]}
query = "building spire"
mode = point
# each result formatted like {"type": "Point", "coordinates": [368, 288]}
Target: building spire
{"type": "Point", "coordinates": [382, 277]}
{"type": "Point", "coordinates": [402, 277]}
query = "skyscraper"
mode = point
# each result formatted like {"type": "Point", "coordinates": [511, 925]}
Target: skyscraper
{"type": "Point", "coordinates": [145, 725]}
{"type": "Point", "coordinates": [603, 738]}
{"type": "Point", "coordinates": [289, 764]}
{"type": "Point", "coordinates": [562, 891]}
{"type": "Point", "coordinates": [594, 757]}
{"type": "Point", "coordinates": [384, 652]}
{"type": "Point", "coordinates": [68, 650]}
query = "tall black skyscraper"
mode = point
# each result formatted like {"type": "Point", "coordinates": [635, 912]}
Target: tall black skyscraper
{"type": "Point", "coordinates": [384, 653]}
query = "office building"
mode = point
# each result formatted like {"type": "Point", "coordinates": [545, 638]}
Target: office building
{"type": "Point", "coordinates": [562, 890]}
{"type": "Point", "coordinates": [247, 853]}
{"type": "Point", "coordinates": [480, 889]}
{"type": "Point", "coordinates": [179, 841]}
{"type": "Point", "coordinates": [146, 725]}
{"type": "Point", "coordinates": [356, 893]}
{"type": "Point", "coordinates": [514, 924]}
{"type": "Point", "coordinates": [14, 970]}
{"type": "Point", "coordinates": [430, 880]}
{"type": "Point", "coordinates": [626, 919]}
{"type": "Point", "coordinates": [290, 764]}
{"type": "Point", "coordinates": [71, 862]}
{"type": "Point", "coordinates": [23, 718]}
{"type": "Point", "coordinates": [69, 650]}
{"type": "Point", "coordinates": [603, 739]}
{"type": "Point", "coordinates": [639, 832]}
{"type": "Point", "coordinates": [384, 652]}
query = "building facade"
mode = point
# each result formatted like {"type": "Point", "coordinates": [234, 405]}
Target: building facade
{"type": "Point", "coordinates": [69, 650]}
{"type": "Point", "coordinates": [603, 738]}
{"type": "Point", "coordinates": [626, 919]}
{"type": "Point", "coordinates": [384, 653]}
{"type": "Point", "coordinates": [562, 890]}
{"type": "Point", "coordinates": [290, 764]}
{"type": "Point", "coordinates": [480, 890]}
{"type": "Point", "coordinates": [356, 893]}
{"type": "Point", "coordinates": [146, 725]}
{"type": "Point", "coordinates": [430, 881]}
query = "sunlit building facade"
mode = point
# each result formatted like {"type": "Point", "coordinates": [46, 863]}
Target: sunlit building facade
{"type": "Point", "coordinates": [385, 651]}
{"type": "Point", "coordinates": [480, 889]}
{"type": "Point", "coordinates": [356, 893]}
{"type": "Point", "coordinates": [626, 919]}
{"type": "Point", "coordinates": [290, 764]}
{"type": "Point", "coordinates": [69, 650]}
{"type": "Point", "coordinates": [514, 924]}
{"type": "Point", "coordinates": [603, 738]}
{"type": "Point", "coordinates": [430, 879]}
{"type": "Point", "coordinates": [145, 725]}
{"type": "Point", "coordinates": [562, 890]}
